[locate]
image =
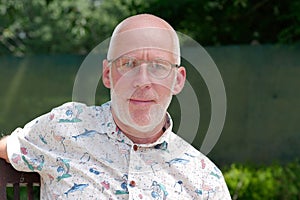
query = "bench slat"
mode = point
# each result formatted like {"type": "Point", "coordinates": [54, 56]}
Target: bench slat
{"type": "Point", "coordinates": [11, 177]}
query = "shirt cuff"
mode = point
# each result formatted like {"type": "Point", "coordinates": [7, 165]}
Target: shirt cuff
{"type": "Point", "coordinates": [13, 149]}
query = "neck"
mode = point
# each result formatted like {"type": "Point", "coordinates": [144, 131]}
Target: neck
{"type": "Point", "coordinates": [147, 140]}
{"type": "Point", "coordinates": [141, 138]}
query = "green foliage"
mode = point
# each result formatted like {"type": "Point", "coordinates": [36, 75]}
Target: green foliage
{"type": "Point", "coordinates": [23, 193]}
{"type": "Point", "coordinates": [60, 26]}
{"type": "Point", "coordinates": [222, 22]}
{"type": "Point", "coordinates": [64, 26]}
{"type": "Point", "coordinates": [291, 32]}
{"type": "Point", "coordinates": [264, 182]}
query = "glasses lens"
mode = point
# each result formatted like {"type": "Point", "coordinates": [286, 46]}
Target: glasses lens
{"type": "Point", "coordinates": [156, 68]}
{"type": "Point", "coordinates": [159, 68]}
{"type": "Point", "coordinates": [124, 64]}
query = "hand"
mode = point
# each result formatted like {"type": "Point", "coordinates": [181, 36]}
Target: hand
{"type": "Point", "coordinates": [3, 149]}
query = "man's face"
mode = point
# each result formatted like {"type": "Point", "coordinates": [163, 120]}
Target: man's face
{"type": "Point", "coordinates": [139, 98]}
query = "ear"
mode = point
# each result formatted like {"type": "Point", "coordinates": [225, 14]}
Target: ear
{"type": "Point", "coordinates": [180, 80]}
{"type": "Point", "coordinates": [106, 74]}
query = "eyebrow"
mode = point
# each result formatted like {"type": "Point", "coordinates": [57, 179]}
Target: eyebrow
{"type": "Point", "coordinates": [136, 57]}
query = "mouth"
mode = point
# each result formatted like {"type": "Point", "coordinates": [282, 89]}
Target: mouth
{"type": "Point", "coordinates": [141, 101]}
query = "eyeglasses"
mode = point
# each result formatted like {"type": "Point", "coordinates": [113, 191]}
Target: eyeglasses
{"type": "Point", "coordinates": [157, 68]}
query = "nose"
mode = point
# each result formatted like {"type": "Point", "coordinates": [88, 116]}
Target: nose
{"type": "Point", "coordinates": [142, 77]}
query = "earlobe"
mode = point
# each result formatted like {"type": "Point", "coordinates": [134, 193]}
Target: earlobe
{"type": "Point", "coordinates": [106, 74]}
{"type": "Point", "coordinates": [180, 80]}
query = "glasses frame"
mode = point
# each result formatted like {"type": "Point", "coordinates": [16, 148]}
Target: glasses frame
{"type": "Point", "coordinates": [110, 62]}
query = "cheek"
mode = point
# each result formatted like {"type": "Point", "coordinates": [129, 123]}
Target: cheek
{"type": "Point", "coordinates": [163, 91]}
{"type": "Point", "coordinates": [114, 76]}
{"type": "Point", "coordinates": [118, 82]}
{"type": "Point", "coordinates": [166, 86]}
{"type": "Point", "coordinates": [121, 86]}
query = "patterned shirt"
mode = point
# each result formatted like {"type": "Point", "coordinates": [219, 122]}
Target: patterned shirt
{"type": "Point", "coordinates": [80, 153]}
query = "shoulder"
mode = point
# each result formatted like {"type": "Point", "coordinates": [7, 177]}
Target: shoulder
{"type": "Point", "coordinates": [69, 112]}
{"type": "Point", "coordinates": [76, 109]}
{"type": "Point", "coordinates": [69, 106]}
{"type": "Point", "coordinates": [80, 107]}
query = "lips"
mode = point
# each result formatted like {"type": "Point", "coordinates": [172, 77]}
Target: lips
{"type": "Point", "coordinates": [143, 97]}
{"type": "Point", "coordinates": [141, 101]}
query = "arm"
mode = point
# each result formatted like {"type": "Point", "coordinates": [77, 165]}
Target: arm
{"type": "Point", "coordinates": [3, 149]}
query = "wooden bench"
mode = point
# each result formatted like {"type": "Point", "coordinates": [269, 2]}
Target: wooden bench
{"type": "Point", "coordinates": [9, 177]}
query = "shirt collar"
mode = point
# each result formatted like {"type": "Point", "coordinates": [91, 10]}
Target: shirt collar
{"type": "Point", "coordinates": [114, 132]}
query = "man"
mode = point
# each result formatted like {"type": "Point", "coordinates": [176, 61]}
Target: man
{"type": "Point", "coordinates": [124, 149]}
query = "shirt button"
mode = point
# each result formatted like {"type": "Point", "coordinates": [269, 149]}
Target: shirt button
{"type": "Point", "coordinates": [132, 184]}
{"type": "Point", "coordinates": [135, 147]}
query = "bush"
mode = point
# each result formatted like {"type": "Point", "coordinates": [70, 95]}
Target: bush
{"type": "Point", "coordinates": [264, 182]}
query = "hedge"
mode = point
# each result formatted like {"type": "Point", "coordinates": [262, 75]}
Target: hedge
{"type": "Point", "coordinates": [254, 182]}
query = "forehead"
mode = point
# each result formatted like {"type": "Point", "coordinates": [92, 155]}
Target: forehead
{"type": "Point", "coordinates": [151, 40]}
{"type": "Point", "coordinates": [150, 54]}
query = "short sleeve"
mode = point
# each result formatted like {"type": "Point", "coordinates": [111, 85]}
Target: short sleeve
{"type": "Point", "coordinates": [29, 148]}
{"type": "Point", "coordinates": [25, 145]}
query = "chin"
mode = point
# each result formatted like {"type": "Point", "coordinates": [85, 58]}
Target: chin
{"type": "Point", "coordinates": [141, 120]}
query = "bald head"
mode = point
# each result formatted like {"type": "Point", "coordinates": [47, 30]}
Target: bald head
{"type": "Point", "coordinates": [142, 21]}
{"type": "Point", "coordinates": [143, 31]}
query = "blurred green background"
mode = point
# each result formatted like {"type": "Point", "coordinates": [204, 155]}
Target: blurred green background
{"type": "Point", "coordinates": [255, 45]}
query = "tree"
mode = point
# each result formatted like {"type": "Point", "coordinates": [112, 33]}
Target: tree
{"type": "Point", "coordinates": [64, 26]}
{"type": "Point", "coordinates": [56, 26]}
{"type": "Point", "coordinates": [223, 22]}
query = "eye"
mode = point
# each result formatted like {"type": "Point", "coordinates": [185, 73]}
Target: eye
{"type": "Point", "coordinates": [160, 65]}
{"type": "Point", "coordinates": [127, 63]}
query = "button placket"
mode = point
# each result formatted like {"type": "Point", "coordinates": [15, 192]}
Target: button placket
{"type": "Point", "coordinates": [134, 159]}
